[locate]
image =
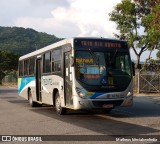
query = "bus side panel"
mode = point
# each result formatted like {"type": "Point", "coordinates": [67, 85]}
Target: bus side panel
{"type": "Point", "coordinates": [49, 83]}
{"type": "Point", "coordinates": [23, 84]}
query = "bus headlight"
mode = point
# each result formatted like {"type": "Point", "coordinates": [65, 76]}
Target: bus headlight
{"type": "Point", "coordinates": [129, 94]}
{"type": "Point", "coordinates": [81, 92]}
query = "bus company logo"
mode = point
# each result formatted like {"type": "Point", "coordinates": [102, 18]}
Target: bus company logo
{"type": "Point", "coordinates": [6, 138]}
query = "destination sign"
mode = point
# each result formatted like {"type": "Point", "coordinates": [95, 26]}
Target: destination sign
{"type": "Point", "coordinates": [99, 43]}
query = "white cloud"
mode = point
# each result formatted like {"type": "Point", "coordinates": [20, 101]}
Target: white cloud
{"type": "Point", "coordinates": [63, 18]}
{"type": "Point", "coordinates": [80, 18]}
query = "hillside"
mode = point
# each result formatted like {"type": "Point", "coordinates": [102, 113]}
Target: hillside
{"type": "Point", "coordinates": [22, 41]}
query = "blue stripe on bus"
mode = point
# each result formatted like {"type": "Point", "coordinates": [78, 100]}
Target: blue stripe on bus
{"type": "Point", "coordinates": [22, 82]}
{"type": "Point", "coordinates": [96, 94]}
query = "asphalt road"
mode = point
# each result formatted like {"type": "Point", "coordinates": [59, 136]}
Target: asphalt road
{"type": "Point", "coordinates": [18, 118]}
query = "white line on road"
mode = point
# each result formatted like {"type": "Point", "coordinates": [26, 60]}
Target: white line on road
{"type": "Point", "coordinates": [156, 98]}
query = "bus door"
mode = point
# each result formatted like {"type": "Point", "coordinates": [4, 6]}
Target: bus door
{"type": "Point", "coordinates": [67, 79]}
{"type": "Point", "coordinates": [38, 79]}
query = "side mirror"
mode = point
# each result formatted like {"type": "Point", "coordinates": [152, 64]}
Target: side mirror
{"type": "Point", "coordinates": [133, 69]}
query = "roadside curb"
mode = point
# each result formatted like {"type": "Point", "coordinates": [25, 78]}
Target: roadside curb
{"type": "Point", "coordinates": [147, 94]}
{"type": "Point", "coordinates": [12, 87]}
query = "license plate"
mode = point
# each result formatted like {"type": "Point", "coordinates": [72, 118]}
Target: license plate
{"type": "Point", "coordinates": [108, 106]}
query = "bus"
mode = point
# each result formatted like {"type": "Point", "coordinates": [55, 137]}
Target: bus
{"type": "Point", "coordinates": [78, 73]}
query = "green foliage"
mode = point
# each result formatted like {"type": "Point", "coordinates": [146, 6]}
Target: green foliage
{"type": "Point", "coordinates": [158, 54]}
{"type": "Point", "coordinates": [151, 21]}
{"type": "Point", "coordinates": [22, 41]}
{"type": "Point", "coordinates": [134, 16]}
{"type": "Point", "coordinates": [15, 42]}
{"type": "Point", "coordinates": [8, 63]}
{"type": "Point", "coordinates": [125, 16]}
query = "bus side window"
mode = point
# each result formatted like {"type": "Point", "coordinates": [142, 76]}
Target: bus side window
{"type": "Point", "coordinates": [26, 67]}
{"type": "Point", "coordinates": [56, 60]}
{"type": "Point", "coordinates": [21, 68]}
{"type": "Point", "coordinates": [31, 66]}
{"type": "Point", "coordinates": [47, 62]}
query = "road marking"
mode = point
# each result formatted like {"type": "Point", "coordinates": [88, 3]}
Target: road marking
{"type": "Point", "coordinates": [156, 98]}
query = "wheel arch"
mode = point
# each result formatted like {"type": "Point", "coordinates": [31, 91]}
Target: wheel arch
{"type": "Point", "coordinates": [29, 89]}
{"type": "Point", "coordinates": [55, 90]}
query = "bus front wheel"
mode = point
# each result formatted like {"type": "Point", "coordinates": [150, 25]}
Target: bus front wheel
{"type": "Point", "coordinates": [59, 109]}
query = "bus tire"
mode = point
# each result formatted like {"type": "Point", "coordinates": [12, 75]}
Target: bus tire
{"type": "Point", "coordinates": [30, 99]}
{"type": "Point", "coordinates": [107, 110]}
{"type": "Point", "coordinates": [59, 109]}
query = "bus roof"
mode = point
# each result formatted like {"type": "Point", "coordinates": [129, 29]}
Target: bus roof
{"type": "Point", "coordinates": [60, 43]}
{"type": "Point", "coordinates": [47, 48]}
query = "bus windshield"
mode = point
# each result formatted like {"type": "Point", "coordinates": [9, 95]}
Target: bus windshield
{"type": "Point", "coordinates": [109, 68]}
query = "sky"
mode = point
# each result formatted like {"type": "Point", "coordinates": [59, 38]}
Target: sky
{"type": "Point", "coordinates": [62, 18]}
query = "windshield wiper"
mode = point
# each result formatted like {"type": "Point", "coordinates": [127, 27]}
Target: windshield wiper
{"type": "Point", "coordinates": [111, 61]}
{"type": "Point", "coordinates": [96, 59]}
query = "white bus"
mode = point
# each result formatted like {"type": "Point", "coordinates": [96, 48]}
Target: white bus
{"type": "Point", "coordinates": [78, 73]}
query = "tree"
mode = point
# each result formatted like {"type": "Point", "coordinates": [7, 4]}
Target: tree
{"type": "Point", "coordinates": [152, 21]}
{"type": "Point", "coordinates": [134, 22]}
{"type": "Point", "coordinates": [8, 63]}
{"type": "Point", "coordinates": [155, 23]}
{"type": "Point", "coordinates": [158, 54]}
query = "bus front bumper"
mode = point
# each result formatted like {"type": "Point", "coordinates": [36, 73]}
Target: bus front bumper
{"type": "Point", "coordinates": [80, 103]}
